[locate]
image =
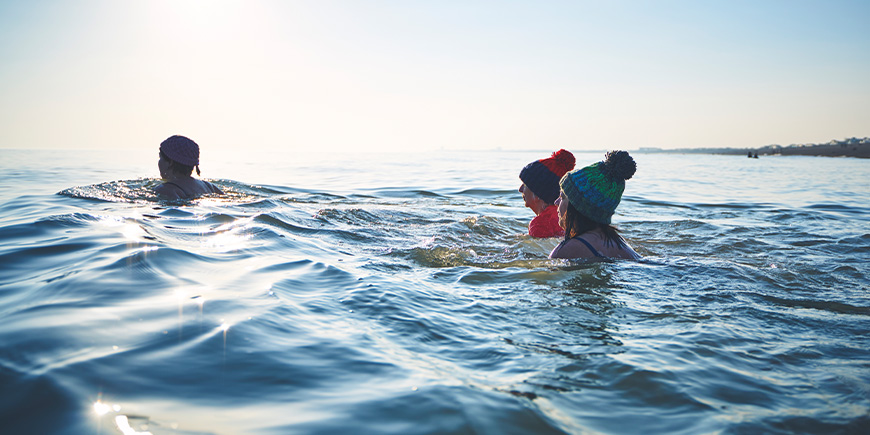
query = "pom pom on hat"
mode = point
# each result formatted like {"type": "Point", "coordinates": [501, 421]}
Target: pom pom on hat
{"type": "Point", "coordinates": [181, 150]}
{"type": "Point", "coordinates": [619, 165]}
{"type": "Point", "coordinates": [542, 176]}
{"type": "Point", "coordinates": [560, 162]}
{"type": "Point", "coordinates": [597, 189]}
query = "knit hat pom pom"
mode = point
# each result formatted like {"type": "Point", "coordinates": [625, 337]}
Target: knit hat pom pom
{"type": "Point", "coordinates": [564, 161]}
{"type": "Point", "coordinates": [618, 165]}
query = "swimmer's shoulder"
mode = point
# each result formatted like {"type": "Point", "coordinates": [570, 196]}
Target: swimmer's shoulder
{"type": "Point", "coordinates": [169, 190]}
{"type": "Point", "coordinates": [571, 248]}
{"type": "Point", "coordinates": [211, 188]}
{"type": "Point", "coordinates": [628, 253]}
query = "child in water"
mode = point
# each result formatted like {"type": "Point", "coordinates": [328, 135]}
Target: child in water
{"type": "Point", "coordinates": [178, 156]}
{"type": "Point", "coordinates": [540, 189]}
{"type": "Point", "coordinates": [587, 200]}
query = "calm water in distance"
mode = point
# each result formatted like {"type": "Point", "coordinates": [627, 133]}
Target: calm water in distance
{"type": "Point", "coordinates": [399, 294]}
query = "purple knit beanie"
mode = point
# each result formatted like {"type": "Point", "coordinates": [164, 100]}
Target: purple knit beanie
{"type": "Point", "coordinates": [181, 150]}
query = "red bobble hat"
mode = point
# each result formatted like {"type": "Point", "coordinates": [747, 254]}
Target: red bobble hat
{"type": "Point", "coordinates": [542, 176]}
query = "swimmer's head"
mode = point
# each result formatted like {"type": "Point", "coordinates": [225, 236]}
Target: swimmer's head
{"type": "Point", "coordinates": [181, 150]}
{"type": "Point", "coordinates": [542, 176]}
{"type": "Point", "coordinates": [182, 155]}
{"type": "Point", "coordinates": [595, 191]}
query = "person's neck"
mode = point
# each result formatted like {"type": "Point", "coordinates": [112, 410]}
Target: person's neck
{"type": "Point", "coordinates": [596, 230]}
{"type": "Point", "coordinates": [540, 207]}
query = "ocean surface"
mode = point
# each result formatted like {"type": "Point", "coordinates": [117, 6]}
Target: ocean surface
{"type": "Point", "coordinates": [374, 293]}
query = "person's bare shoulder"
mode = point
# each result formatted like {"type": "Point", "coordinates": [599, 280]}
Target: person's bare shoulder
{"type": "Point", "coordinates": [572, 249]}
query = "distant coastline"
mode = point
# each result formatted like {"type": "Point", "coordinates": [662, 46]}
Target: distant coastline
{"type": "Point", "coordinates": [851, 147]}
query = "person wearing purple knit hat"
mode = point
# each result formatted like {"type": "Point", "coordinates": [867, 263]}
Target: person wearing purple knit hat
{"type": "Point", "coordinates": [178, 157]}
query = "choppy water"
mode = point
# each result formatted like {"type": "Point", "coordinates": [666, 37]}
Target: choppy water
{"type": "Point", "coordinates": [398, 294]}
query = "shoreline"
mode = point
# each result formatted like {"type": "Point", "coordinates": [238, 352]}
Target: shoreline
{"type": "Point", "coordinates": [857, 148]}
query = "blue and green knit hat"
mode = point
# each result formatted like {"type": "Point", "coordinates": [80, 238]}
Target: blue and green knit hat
{"type": "Point", "coordinates": [597, 189]}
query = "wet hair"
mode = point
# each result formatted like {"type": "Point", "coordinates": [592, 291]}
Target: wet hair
{"type": "Point", "coordinates": [577, 223]}
{"type": "Point", "coordinates": [178, 167]}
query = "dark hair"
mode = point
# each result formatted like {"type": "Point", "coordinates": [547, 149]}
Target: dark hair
{"type": "Point", "coordinates": [577, 223]}
{"type": "Point", "coordinates": [178, 167]}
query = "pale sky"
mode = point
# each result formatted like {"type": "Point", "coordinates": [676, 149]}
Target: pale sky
{"type": "Point", "coordinates": [404, 75]}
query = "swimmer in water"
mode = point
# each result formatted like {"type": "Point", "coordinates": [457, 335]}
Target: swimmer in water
{"type": "Point", "coordinates": [540, 189]}
{"type": "Point", "coordinates": [586, 203]}
{"type": "Point", "coordinates": [178, 157]}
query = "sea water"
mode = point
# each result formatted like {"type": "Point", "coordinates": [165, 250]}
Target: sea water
{"type": "Point", "coordinates": [400, 294]}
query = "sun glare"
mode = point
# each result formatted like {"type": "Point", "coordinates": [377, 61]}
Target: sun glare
{"type": "Point", "coordinates": [124, 426]}
{"type": "Point", "coordinates": [101, 408]}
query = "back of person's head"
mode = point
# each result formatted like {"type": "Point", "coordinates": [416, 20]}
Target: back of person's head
{"type": "Point", "coordinates": [577, 223]}
{"type": "Point", "coordinates": [182, 152]}
{"type": "Point", "coordinates": [542, 176]}
{"type": "Point", "coordinates": [593, 194]}
{"type": "Point", "coordinates": [596, 190]}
